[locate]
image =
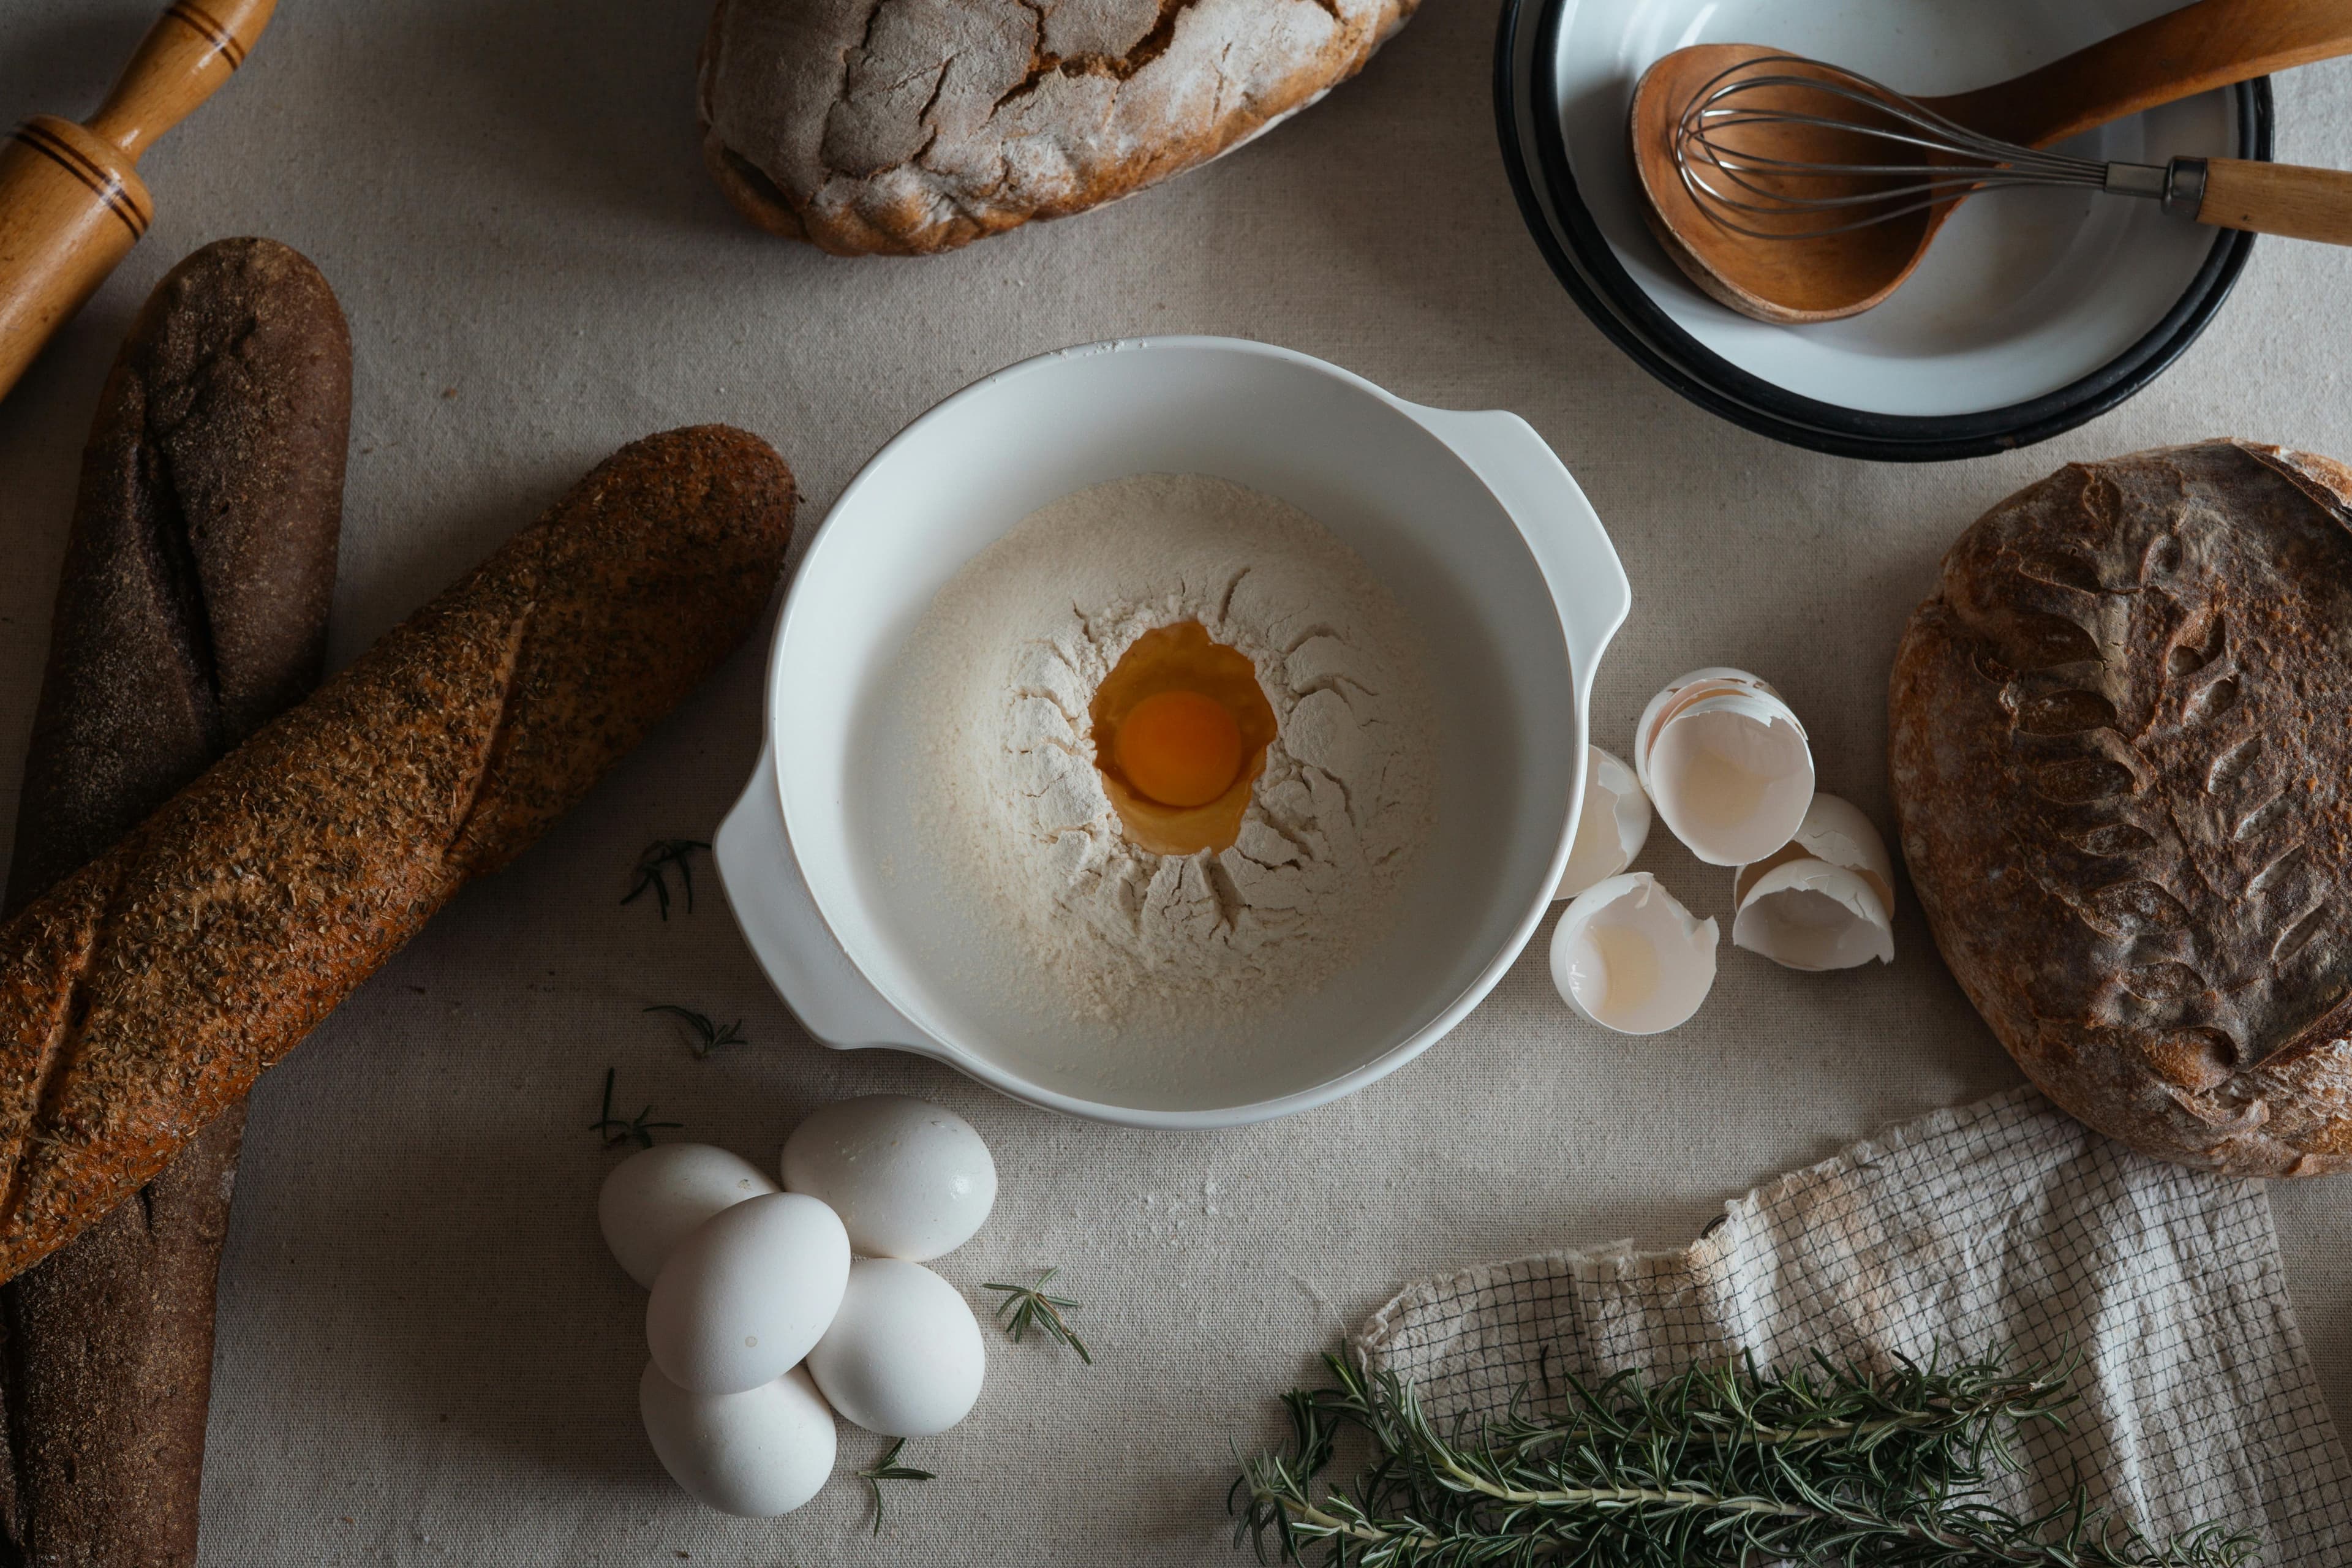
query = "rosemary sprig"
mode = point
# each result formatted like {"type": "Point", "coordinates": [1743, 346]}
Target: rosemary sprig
{"type": "Point", "coordinates": [653, 866]}
{"type": "Point", "coordinates": [887, 1468]}
{"type": "Point", "coordinates": [617, 1131]}
{"type": "Point", "coordinates": [1719, 1467]}
{"type": "Point", "coordinates": [708, 1036]}
{"type": "Point", "coordinates": [1027, 1307]}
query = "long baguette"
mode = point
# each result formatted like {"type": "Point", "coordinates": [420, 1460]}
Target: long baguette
{"type": "Point", "coordinates": [192, 608]}
{"type": "Point", "coordinates": [145, 994]}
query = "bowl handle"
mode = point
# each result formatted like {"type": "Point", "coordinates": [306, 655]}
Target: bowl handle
{"type": "Point", "coordinates": [786, 932]}
{"type": "Point", "coordinates": [1579, 565]}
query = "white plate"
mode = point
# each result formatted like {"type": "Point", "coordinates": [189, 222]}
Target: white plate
{"type": "Point", "coordinates": [2022, 294]}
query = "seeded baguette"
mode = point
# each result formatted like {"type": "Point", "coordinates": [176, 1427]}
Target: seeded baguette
{"type": "Point", "coordinates": [191, 607]}
{"type": "Point", "coordinates": [144, 995]}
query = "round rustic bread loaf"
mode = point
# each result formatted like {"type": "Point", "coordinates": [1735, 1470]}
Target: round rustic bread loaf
{"type": "Point", "coordinates": [903, 127]}
{"type": "Point", "coordinates": [2120, 756]}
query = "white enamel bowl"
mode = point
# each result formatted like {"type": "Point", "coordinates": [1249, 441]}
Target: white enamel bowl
{"type": "Point", "coordinates": [1470, 521]}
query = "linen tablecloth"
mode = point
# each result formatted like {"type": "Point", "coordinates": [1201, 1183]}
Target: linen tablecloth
{"type": "Point", "coordinates": [424, 1355]}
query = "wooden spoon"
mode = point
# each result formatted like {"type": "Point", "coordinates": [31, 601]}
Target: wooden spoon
{"type": "Point", "coordinates": [1828, 277]}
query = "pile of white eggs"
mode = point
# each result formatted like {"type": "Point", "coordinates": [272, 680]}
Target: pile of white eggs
{"type": "Point", "coordinates": [771, 1309]}
{"type": "Point", "coordinates": [1730, 768]}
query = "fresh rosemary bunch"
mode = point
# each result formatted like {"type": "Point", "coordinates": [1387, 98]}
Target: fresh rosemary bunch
{"type": "Point", "coordinates": [1721, 1466]}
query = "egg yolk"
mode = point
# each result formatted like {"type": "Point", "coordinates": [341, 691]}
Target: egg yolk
{"type": "Point", "coordinates": [1180, 748]}
{"type": "Point", "coordinates": [1180, 729]}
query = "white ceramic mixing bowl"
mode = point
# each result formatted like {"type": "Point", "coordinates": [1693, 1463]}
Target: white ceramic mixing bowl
{"type": "Point", "coordinates": [1469, 520]}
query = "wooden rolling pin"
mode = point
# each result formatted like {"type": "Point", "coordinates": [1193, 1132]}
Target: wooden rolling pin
{"type": "Point", "coordinates": [71, 202]}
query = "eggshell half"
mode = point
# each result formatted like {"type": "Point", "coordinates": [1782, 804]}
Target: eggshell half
{"type": "Point", "coordinates": [760, 1453]}
{"type": "Point", "coordinates": [904, 1356]}
{"type": "Point", "coordinates": [909, 1179]}
{"type": "Point", "coordinates": [653, 1198]}
{"type": "Point", "coordinates": [1836, 831]}
{"type": "Point", "coordinates": [1629, 957]}
{"type": "Point", "coordinates": [745, 1295]}
{"type": "Point", "coordinates": [1677, 694]}
{"type": "Point", "coordinates": [1726, 763]}
{"type": "Point", "coordinates": [1809, 914]}
{"type": "Point", "coordinates": [1825, 900]}
{"type": "Point", "coordinates": [1613, 826]}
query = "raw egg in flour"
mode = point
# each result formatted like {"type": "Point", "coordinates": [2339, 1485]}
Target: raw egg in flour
{"type": "Point", "coordinates": [1180, 729]}
{"type": "Point", "coordinates": [1180, 748]}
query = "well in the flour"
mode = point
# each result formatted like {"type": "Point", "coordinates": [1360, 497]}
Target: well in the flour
{"type": "Point", "coordinates": [1180, 728]}
{"type": "Point", "coordinates": [1178, 750]}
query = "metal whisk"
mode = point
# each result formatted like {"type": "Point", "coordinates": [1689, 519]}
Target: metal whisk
{"type": "Point", "coordinates": [1731, 173]}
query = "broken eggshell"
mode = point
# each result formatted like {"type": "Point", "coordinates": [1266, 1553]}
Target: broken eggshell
{"type": "Point", "coordinates": [1823, 901]}
{"type": "Point", "coordinates": [1726, 763]}
{"type": "Point", "coordinates": [1613, 826]}
{"type": "Point", "coordinates": [1629, 957]}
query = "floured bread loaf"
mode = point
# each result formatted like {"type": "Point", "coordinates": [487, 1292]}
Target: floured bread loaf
{"type": "Point", "coordinates": [2120, 759]}
{"type": "Point", "coordinates": [903, 127]}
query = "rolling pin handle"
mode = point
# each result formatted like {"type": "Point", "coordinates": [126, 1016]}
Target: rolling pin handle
{"type": "Point", "coordinates": [71, 202]}
{"type": "Point", "coordinates": [194, 46]}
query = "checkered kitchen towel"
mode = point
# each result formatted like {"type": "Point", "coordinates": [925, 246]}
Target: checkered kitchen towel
{"type": "Point", "coordinates": [2004, 1223]}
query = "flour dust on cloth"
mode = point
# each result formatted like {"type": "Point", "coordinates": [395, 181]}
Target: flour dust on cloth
{"type": "Point", "coordinates": [2003, 1224]}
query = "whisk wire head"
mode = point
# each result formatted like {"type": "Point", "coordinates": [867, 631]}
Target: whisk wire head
{"type": "Point", "coordinates": [1740, 182]}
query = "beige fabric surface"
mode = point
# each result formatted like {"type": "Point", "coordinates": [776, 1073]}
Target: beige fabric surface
{"type": "Point", "coordinates": [2003, 1226]}
{"type": "Point", "coordinates": [424, 1355]}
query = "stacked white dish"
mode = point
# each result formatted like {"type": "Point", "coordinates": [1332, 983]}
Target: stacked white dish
{"type": "Point", "coordinates": [2033, 311]}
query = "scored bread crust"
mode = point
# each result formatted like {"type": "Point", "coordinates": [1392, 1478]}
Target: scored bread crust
{"type": "Point", "coordinates": [905, 127]}
{"type": "Point", "coordinates": [2123, 781]}
{"type": "Point", "coordinates": [146, 992]}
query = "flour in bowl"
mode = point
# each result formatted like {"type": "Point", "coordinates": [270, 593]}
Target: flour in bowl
{"type": "Point", "coordinates": [1001, 679]}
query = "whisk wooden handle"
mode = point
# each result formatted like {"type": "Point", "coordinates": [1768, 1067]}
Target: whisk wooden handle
{"type": "Point", "coordinates": [2278, 198]}
{"type": "Point", "coordinates": [71, 202]}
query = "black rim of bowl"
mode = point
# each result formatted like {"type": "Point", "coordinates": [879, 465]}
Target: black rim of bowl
{"type": "Point", "coordinates": [1624, 312]}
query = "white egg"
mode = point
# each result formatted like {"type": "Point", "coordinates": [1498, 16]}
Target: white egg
{"type": "Point", "coordinates": [1611, 829]}
{"type": "Point", "coordinates": [656, 1195]}
{"type": "Point", "coordinates": [908, 1178]}
{"type": "Point", "coordinates": [1823, 901]}
{"type": "Point", "coordinates": [1726, 763]}
{"type": "Point", "coordinates": [760, 1453]}
{"type": "Point", "coordinates": [747, 1293]}
{"type": "Point", "coordinates": [904, 1355]}
{"type": "Point", "coordinates": [1628, 956]}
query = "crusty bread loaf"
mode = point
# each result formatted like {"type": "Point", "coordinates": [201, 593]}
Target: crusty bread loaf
{"type": "Point", "coordinates": [193, 607]}
{"type": "Point", "coordinates": [2125, 783]}
{"type": "Point", "coordinates": [143, 994]}
{"type": "Point", "coordinates": [903, 127]}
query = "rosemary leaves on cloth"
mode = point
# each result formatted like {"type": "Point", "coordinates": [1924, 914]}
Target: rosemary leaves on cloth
{"type": "Point", "coordinates": [2003, 1225]}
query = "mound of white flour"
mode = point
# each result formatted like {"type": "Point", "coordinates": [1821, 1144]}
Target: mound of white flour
{"type": "Point", "coordinates": [999, 676]}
